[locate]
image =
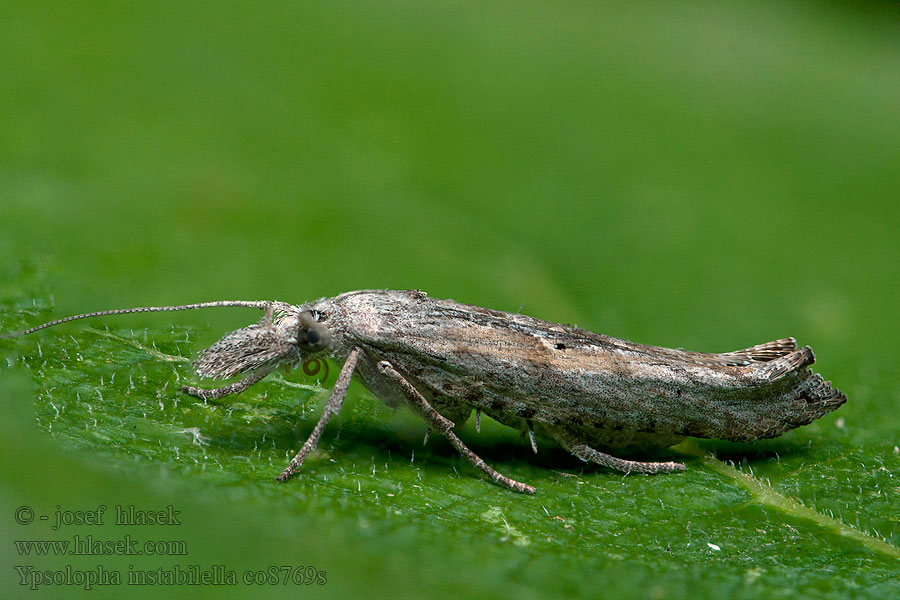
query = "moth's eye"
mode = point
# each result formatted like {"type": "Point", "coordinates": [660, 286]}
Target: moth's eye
{"type": "Point", "coordinates": [313, 338]}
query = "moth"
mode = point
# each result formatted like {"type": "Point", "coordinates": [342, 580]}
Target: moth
{"type": "Point", "coordinates": [589, 392]}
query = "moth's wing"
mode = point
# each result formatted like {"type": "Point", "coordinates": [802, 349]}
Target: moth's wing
{"type": "Point", "coordinates": [777, 391]}
{"type": "Point", "coordinates": [789, 364]}
{"type": "Point", "coordinates": [809, 390]}
{"type": "Point", "coordinates": [765, 352]}
{"type": "Point", "coordinates": [780, 363]}
{"type": "Point", "coordinates": [761, 353]}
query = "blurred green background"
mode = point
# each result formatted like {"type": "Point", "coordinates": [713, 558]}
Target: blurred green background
{"type": "Point", "coordinates": [707, 175]}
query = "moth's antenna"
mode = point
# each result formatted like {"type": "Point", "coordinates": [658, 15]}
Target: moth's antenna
{"type": "Point", "coordinates": [260, 304]}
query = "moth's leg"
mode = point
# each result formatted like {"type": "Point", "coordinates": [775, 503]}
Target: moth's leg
{"type": "Point", "coordinates": [332, 407]}
{"type": "Point", "coordinates": [588, 454]}
{"type": "Point", "coordinates": [234, 388]}
{"type": "Point", "coordinates": [435, 420]}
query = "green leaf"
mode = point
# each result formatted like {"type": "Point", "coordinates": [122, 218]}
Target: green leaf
{"type": "Point", "coordinates": [760, 523]}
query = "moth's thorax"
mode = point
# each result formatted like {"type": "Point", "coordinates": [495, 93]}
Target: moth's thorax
{"type": "Point", "coordinates": [367, 314]}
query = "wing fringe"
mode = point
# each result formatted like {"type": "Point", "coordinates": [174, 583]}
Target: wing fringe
{"type": "Point", "coordinates": [766, 352]}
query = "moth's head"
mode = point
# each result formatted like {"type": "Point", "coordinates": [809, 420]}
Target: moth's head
{"type": "Point", "coordinates": [307, 333]}
{"type": "Point", "coordinates": [289, 338]}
